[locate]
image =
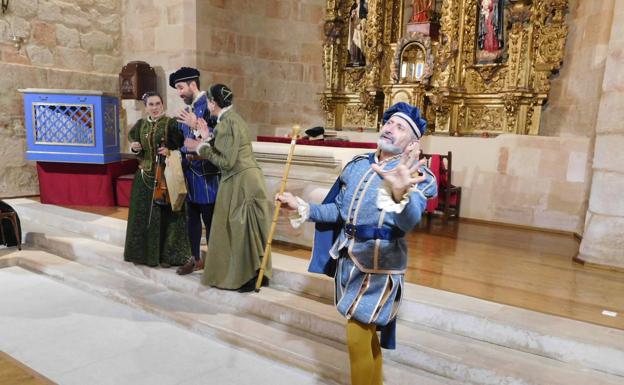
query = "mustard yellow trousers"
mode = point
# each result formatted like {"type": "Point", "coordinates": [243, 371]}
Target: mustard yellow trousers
{"type": "Point", "coordinates": [364, 353]}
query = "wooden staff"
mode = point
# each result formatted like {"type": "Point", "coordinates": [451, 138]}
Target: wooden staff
{"type": "Point", "coordinates": [278, 204]}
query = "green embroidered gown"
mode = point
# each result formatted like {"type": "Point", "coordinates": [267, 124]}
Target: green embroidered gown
{"type": "Point", "coordinates": [164, 240]}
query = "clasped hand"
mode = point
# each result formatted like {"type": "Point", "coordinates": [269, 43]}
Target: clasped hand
{"type": "Point", "coordinates": [204, 133]}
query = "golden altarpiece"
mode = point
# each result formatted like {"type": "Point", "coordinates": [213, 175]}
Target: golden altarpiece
{"type": "Point", "coordinates": [474, 67]}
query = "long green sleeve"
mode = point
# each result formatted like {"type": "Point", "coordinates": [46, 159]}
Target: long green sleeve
{"type": "Point", "coordinates": [224, 152]}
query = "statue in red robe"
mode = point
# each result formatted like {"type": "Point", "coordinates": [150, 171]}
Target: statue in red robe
{"type": "Point", "coordinates": [490, 26]}
{"type": "Point", "coordinates": [420, 11]}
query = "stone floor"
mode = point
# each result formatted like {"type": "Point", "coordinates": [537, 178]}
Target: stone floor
{"type": "Point", "coordinates": [73, 337]}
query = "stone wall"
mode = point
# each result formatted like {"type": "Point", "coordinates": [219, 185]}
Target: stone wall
{"type": "Point", "coordinates": [67, 45]}
{"type": "Point", "coordinates": [603, 241]}
{"type": "Point", "coordinates": [572, 107]}
{"type": "Point", "coordinates": [270, 53]}
{"type": "Point", "coordinates": [163, 34]}
{"type": "Point", "coordinates": [540, 182]}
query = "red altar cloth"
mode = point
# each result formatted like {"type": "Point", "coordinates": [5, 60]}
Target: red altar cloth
{"type": "Point", "coordinates": [327, 143]}
{"type": "Point", "coordinates": [81, 184]}
{"type": "Point", "coordinates": [123, 189]}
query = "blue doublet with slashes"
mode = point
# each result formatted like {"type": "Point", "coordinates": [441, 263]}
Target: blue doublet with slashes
{"type": "Point", "coordinates": [201, 176]}
{"type": "Point", "coordinates": [356, 204]}
{"type": "Point", "coordinates": [368, 243]}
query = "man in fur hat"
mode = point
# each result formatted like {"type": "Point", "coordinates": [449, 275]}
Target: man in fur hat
{"type": "Point", "coordinates": [376, 200]}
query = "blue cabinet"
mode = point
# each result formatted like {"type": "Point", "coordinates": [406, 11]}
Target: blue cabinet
{"type": "Point", "coordinates": [75, 126]}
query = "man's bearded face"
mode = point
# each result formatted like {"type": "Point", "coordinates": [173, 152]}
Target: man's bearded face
{"type": "Point", "coordinates": [395, 136]}
{"type": "Point", "coordinates": [185, 92]}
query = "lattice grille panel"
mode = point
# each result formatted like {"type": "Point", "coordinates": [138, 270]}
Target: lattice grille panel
{"type": "Point", "coordinates": [66, 124]}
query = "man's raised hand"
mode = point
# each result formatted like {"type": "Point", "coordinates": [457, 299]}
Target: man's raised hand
{"type": "Point", "coordinates": [405, 175]}
{"type": "Point", "coordinates": [188, 118]}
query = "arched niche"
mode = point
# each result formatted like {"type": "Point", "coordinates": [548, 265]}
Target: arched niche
{"type": "Point", "coordinates": [413, 62]}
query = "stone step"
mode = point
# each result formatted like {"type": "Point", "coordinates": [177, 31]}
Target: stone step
{"type": "Point", "coordinates": [423, 348]}
{"type": "Point", "coordinates": [475, 362]}
{"type": "Point", "coordinates": [578, 343]}
{"type": "Point", "coordinates": [316, 317]}
{"type": "Point", "coordinates": [323, 358]}
{"type": "Point", "coordinates": [102, 228]}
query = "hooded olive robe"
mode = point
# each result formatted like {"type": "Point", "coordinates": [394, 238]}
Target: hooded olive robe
{"type": "Point", "coordinates": [165, 239]}
{"type": "Point", "coordinates": [242, 214]}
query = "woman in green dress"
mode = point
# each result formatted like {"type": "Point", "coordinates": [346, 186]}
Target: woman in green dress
{"type": "Point", "coordinates": [155, 235]}
{"type": "Point", "coordinates": [242, 213]}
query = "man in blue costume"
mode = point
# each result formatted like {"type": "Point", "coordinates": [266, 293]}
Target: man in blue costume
{"type": "Point", "coordinates": [376, 200]}
{"type": "Point", "coordinates": [202, 177]}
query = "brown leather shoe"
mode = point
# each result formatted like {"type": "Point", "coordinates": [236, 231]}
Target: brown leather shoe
{"type": "Point", "coordinates": [199, 265]}
{"type": "Point", "coordinates": [187, 268]}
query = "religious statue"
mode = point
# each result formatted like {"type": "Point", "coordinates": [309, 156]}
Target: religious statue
{"type": "Point", "coordinates": [357, 22]}
{"type": "Point", "coordinates": [490, 33]}
{"type": "Point", "coordinates": [421, 10]}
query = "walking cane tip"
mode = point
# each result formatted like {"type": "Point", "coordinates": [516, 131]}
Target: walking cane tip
{"type": "Point", "coordinates": [257, 290]}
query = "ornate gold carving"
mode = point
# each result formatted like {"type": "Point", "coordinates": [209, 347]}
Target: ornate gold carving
{"type": "Point", "coordinates": [325, 104]}
{"type": "Point", "coordinates": [485, 119]}
{"type": "Point", "coordinates": [530, 111]}
{"type": "Point", "coordinates": [374, 48]}
{"type": "Point", "coordinates": [551, 32]}
{"type": "Point", "coordinates": [457, 95]}
{"type": "Point", "coordinates": [441, 107]}
{"type": "Point", "coordinates": [489, 73]}
{"type": "Point", "coordinates": [460, 125]}
{"type": "Point", "coordinates": [354, 116]}
{"type": "Point", "coordinates": [355, 79]}
{"type": "Point", "coordinates": [520, 12]}
{"type": "Point", "coordinates": [448, 51]}
{"type": "Point", "coordinates": [511, 107]}
{"type": "Point", "coordinates": [369, 102]}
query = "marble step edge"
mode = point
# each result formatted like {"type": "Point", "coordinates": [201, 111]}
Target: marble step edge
{"type": "Point", "coordinates": [315, 317]}
{"type": "Point", "coordinates": [463, 359]}
{"type": "Point", "coordinates": [416, 309]}
{"type": "Point", "coordinates": [322, 320]}
{"type": "Point", "coordinates": [270, 339]}
{"type": "Point", "coordinates": [99, 227]}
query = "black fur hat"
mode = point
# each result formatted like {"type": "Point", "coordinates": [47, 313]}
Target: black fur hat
{"type": "Point", "coordinates": [182, 75]}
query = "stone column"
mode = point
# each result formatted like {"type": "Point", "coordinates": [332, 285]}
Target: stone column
{"type": "Point", "coordinates": [603, 239]}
